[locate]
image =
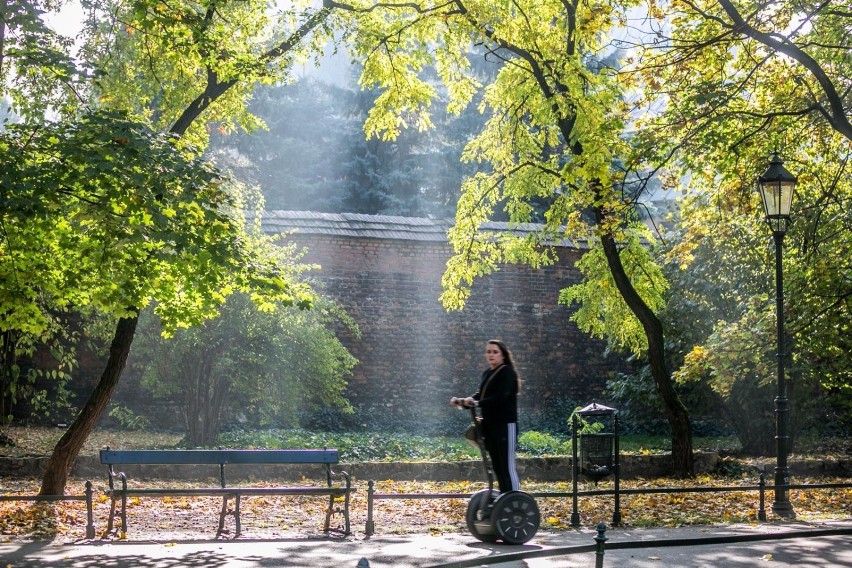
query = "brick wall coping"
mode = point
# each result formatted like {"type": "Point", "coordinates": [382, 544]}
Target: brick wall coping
{"type": "Point", "coordinates": [386, 226]}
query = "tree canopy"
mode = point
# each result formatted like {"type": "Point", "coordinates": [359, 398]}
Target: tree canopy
{"type": "Point", "coordinates": [581, 116]}
{"type": "Point", "coordinates": [726, 84]}
{"type": "Point", "coordinates": [128, 220]}
{"type": "Point", "coordinates": [151, 209]}
{"type": "Point", "coordinates": [555, 129]}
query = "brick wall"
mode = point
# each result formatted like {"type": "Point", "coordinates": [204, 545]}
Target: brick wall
{"type": "Point", "coordinates": [415, 355]}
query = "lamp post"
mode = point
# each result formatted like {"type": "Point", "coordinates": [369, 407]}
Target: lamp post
{"type": "Point", "coordinates": [776, 187]}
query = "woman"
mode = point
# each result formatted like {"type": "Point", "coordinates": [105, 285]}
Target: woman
{"type": "Point", "coordinates": [498, 398]}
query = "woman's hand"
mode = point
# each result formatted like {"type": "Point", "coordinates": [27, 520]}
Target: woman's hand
{"type": "Point", "coordinates": [468, 402]}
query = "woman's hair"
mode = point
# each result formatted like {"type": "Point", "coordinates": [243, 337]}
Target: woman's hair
{"type": "Point", "coordinates": [507, 359]}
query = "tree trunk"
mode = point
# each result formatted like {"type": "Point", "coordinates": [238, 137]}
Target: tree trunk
{"type": "Point", "coordinates": [8, 358]}
{"type": "Point", "coordinates": [66, 450]}
{"type": "Point", "coordinates": [678, 417]}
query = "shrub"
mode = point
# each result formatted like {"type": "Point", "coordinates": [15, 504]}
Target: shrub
{"type": "Point", "coordinates": [541, 443]}
{"type": "Point", "coordinates": [128, 419]}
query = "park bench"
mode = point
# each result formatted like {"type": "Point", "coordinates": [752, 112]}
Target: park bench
{"type": "Point", "coordinates": [119, 492]}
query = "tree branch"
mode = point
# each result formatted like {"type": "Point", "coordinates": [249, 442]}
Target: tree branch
{"type": "Point", "coordinates": [837, 116]}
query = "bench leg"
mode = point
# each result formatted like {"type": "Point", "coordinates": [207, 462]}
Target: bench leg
{"type": "Point", "coordinates": [111, 518]}
{"type": "Point", "coordinates": [237, 514]}
{"type": "Point", "coordinates": [331, 510]}
{"type": "Point", "coordinates": [328, 512]}
{"type": "Point", "coordinates": [346, 526]}
{"type": "Point", "coordinates": [223, 513]}
{"type": "Point", "coordinates": [123, 514]}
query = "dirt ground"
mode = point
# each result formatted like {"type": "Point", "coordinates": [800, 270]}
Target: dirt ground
{"type": "Point", "coordinates": [193, 518]}
{"type": "Point", "coordinates": [196, 518]}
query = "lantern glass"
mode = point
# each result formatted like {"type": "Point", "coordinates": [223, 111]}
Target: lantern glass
{"type": "Point", "coordinates": [777, 186]}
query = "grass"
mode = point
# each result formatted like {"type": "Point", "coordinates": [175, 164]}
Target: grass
{"type": "Point", "coordinates": [355, 447]}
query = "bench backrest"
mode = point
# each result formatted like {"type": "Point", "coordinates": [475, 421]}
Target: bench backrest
{"type": "Point", "coordinates": [219, 457]}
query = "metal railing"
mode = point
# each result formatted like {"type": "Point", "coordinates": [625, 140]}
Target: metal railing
{"type": "Point", "coordinates": [87, 497]}
{"type": "Point", "coordinates": [600, 547]}
{"type": "Point", "coordinates": [761, 488]}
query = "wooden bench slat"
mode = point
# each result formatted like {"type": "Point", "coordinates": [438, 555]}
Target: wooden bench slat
{"type": "Point", "coordinates": [217, 457]}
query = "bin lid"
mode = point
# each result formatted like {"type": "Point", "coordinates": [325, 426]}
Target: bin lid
{"type": "Point", "coordinates": [596, 408]}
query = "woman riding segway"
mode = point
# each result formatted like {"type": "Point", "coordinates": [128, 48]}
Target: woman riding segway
{"type": "Point", "coordinates": [509, 515]}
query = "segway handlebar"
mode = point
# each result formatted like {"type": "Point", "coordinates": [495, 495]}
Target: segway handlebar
{"type": "Point", "coordinates": [459, 402]}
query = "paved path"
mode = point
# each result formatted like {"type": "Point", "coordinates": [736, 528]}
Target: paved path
{"type": "Point", "coordinates": [811, 548]}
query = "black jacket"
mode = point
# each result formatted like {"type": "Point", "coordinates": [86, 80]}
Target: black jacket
{"type": "Point", "coordinates": [500, 401]}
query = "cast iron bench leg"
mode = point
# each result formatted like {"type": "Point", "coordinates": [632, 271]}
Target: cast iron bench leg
{"type": "Point", "coordinates": [331, 510]}
{"type": "Point", "coordinates": [223, 513]}
{"type": "Point", "coordinates": [346, 513]}
{"type": "Point", "coordinates": [123, 513]}
{"type": "Point", "coordinates": [328, 513]}
{"type": "Point", "coordinates": [111, 514]}
{"type": "Point", "coordinates": [237, 513]}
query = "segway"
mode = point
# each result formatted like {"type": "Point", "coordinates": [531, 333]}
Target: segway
{"type": "Point", "coordinates": [512, 517]}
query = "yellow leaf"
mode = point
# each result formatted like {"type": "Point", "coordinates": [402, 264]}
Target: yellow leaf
{"type": "Point", "coordinates": [766, 557]}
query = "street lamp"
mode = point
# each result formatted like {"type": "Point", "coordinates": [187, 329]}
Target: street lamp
{"type": "Point", "coordinates": [776, 190]}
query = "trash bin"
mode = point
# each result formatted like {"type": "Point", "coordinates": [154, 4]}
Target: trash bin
{"type": "Point", "coordinates": [597, 456]}
{"type": "Point", "coordinates": [598, 452]}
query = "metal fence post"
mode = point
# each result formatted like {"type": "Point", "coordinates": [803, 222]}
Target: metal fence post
{"type": "Point", "coordinates": [761, 512]}
{"type": "Point", "coordinates": [575, 472]}
{"type": "Point", "coordinates": [90, 524]}
{"type": "Point", "coordinates": [616, 515]}
{"type": "Point", "coordinates": [370, 527]}
{"type": "Point", "coordinates": [600, 539]}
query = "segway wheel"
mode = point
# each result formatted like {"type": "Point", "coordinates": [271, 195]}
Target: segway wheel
{"type": "Point", "coordinates": [473, 507]}
{"type": "Point", "coordinates": [515, 517]}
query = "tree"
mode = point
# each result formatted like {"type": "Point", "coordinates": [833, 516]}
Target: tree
{"type": "Point", "coordinates": [262, 365]}
{"type": "Point", "coordinates": [130, 220]}
{"type": "Point", "coordinates": [739, 80]}
{"type": "Point", "coordinates": [36, 70]}
{"type": "Point", "coordinates": [294, 159]}
{"type": "Point", "coordinates": [168, 64]}
{"type": "Point", "coordinates": [36, 73]}
{"type": "Point", "coordinates": [555, 129]}
{"type": "Point", "coordinates": [312, 154]}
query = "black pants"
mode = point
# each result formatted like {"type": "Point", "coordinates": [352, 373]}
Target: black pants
{"type": "Point", "coordinates": [500, 440]}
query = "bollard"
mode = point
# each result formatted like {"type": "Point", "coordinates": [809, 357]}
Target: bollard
{"type": "Point", "coordinates": [363, 563]}
{"type": "Point", "coordinates": [600, 540]}
{"type": "Point", "coordinates": [90, 524]}
{"type": "Point", "coordinates": [761, 512]}
{"type": "Point", "coordinates": [370, 527]}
